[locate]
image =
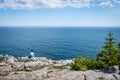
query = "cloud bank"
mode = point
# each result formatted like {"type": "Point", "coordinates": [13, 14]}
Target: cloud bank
{"type": "Point", "coordinates": [39, 4]}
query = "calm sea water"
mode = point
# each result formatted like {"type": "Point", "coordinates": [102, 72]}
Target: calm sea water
{"type": "Point", "coordinates": [54, 43]}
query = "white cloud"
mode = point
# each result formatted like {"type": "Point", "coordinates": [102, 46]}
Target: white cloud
{"type": "Point", "coordinates": [38, 4]}
{"type": "Point", "coordinates": [106, 4]}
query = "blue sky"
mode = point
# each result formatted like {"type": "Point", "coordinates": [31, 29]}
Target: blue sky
{"type": "Point", "coordinates": [59, 12]}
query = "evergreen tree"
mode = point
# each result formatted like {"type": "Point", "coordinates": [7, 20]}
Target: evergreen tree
{"type": "Point", "coordinates": [109, 53]}
{"type": "Point", "coordinates": [119, 47]}
{"type": "Point", "coordinates": [119, 54]}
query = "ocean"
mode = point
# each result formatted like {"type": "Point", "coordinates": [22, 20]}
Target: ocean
{"type": "Point", "coordinates": [54, 42]}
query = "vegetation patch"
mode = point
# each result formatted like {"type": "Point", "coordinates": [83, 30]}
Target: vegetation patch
{"type": "Point", "coordinates": [108, 56]}
{"type": "Point", "coordinates": [61, 67]}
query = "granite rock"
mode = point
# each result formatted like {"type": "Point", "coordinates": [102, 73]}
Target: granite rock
{"type": "Point", "coordinates": [5, 70]}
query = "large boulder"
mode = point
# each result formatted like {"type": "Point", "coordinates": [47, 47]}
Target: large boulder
{"type": "Point", "coordinates": [112, 69]}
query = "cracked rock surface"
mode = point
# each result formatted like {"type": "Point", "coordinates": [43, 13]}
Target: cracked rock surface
{"type": "Point", "coordinates": [41, 68]}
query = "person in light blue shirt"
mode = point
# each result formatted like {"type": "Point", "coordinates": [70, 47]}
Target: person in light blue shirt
{"type": "Point", "coordinates": [32, 55]}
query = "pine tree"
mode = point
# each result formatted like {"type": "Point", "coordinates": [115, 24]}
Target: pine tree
{"type": "Point", "coordinates": [110, 44]}
{"type": "Point", "coordinates": [109, 53]}
{"type": "Point", "coordinates": [119, 54]}
{"type": "Point", "coordinates": [119, 47]}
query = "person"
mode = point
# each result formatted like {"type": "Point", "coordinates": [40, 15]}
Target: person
{"type": "Point", "coordinates": [31, 54]}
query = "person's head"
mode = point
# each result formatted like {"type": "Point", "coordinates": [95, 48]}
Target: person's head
{"type": "Point", "coordinates": [31, 50]}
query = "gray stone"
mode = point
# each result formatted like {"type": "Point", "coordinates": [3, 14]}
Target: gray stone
{"type": "Point", "coordinates": [62, 63]}
{"type": "Point", "coordinates": [112, 69]}
{"type": "Point", "coordinates": [16, 72]}
{"type": "Point", "coordinates": [51, 74]}
{"type": "Point", "coordinates": [19, 76]}
{"type": "Point", "coordinates": [33, 65]}
{"type": "Point", "coordinates": [19, 66]}
{"type": "Point", "coordinates": [43, 59]}
{"type": "Point", "coordinates": [23, 59]}
{"type": "Point", "coordinates": [66, 62]}
{"type": "Point", "coordinates": [5, 70]}
{"type": "Point", "coordinates": [57, 65]}
{"type": "Point", "coordinates": [41, 74]}
{"type": "Point", "coordinates": [50, 61]}
{"type": "Point", "coordinates": [10, 60]}
{"type": "Point", "coordinates": [117, 77]}
{"type": "Point", "coordinates": [92, 75]}
{"type": "Point", "coordinates": [74, 75]}
{"type": "Point", "coordinates": [3, 64]}
{"type": "Point", "coordinates": [65, 75]}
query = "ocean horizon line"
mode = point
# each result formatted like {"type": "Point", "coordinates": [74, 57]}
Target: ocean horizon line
{"type": "Point", "coordinates": [61, 26]}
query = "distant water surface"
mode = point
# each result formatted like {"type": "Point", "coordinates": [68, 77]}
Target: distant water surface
{"type": "Point", "coordinates": [54, 43]}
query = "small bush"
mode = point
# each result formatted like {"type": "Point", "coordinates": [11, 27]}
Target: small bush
{"type": "Point", "coordinates": [81, 63]}
{"type": "Point", "coordinates": [98, 64]}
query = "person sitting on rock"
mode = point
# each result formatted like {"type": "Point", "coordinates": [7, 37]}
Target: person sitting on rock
{"type": "Point", "coordinates": [31, 54]}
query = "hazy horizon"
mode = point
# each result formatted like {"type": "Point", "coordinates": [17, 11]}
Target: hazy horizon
{"type": "Point", "coordinates": [62, 26]}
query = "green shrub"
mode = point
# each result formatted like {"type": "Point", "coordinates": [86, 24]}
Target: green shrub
{"type": "Point", "coordinates": [81, 63]}
{"type": "Point", "coordinates": [99, 64]}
